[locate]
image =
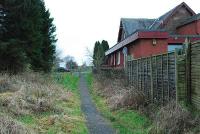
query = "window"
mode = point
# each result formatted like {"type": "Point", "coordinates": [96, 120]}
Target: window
{"type": "Point", "coordinates": [118, 58]}
{"type": "Point", "coordinates": [172, 47]}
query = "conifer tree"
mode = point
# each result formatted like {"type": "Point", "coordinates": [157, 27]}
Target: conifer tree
{"type": "Point", "coordinates": [29, 26]}
{"type": "Point", "coordinates": [99, 53]}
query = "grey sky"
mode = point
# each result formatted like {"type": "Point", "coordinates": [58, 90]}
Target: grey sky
{"type": "Point", "coordinates": [82, 22]}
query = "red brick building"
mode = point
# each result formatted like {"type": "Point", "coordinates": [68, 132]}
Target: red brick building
{"type": "Point", "coordinates": [145, 37]}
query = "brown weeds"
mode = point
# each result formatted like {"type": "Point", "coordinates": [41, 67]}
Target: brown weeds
{"type": "Point", "coordinates": [33, 94]}
{"type": "Point", "coordinates": [174, 119]}
{"type": "Point", "coordinates": [9, 126]}
{"type": "Point", "coordinates": [170, 119]}
{"type": "Point", "coordinates": [118, 95]}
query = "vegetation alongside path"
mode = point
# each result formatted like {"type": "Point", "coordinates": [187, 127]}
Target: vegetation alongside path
{"type": "Point", "coordinates": [71, 82]}
{"type": "Point", "coordinates": [41, 105]}
{"type": "Point", "coordinates": [125, 121]}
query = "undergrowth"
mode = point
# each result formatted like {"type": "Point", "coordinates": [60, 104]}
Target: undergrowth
{"type": "Point", "coordinates": [125, 121]}
{"type": "Point", "coordinates": [36, 103]}
{"type": "Point", "coordinates": [127, 109]}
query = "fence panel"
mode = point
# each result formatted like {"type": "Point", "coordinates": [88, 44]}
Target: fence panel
{"type": "Point", "coordinates": [195, 73]}
{"type": "Point", "coordinates": [165, 77]}
{"type": "Point", "coordinates": [154, 76]}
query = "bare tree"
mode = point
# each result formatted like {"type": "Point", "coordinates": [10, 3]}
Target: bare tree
{"type": "Point", "coordinates": [58, 59]}
{"type": "Point", "coordinates": [70, 62]}
{"type": "Point", "coordinates": [89, 55]}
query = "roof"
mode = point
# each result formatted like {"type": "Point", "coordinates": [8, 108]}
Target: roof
{"type": "Point", "coordinates": [138, 34]}
{"type": "Point", "coordinates": [189, 20]}
{"type": "Point", "coordinates": [158, 22]}
{"type": "Point", "coordinates": [131, 25]}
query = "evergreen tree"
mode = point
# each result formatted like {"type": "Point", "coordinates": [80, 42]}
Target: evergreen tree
{"type": "Point", "coordinates": [105, 45]}
{"type": "Point", "coordinates": [29, 23]}
{"type": "Point", "coordinates": [49, 40]}
{"type": "Point", "coordinates": [99, 53]}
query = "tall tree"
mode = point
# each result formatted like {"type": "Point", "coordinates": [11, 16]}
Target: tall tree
{"type": "Point", "coordinates": [28, 22]}
{"type": "Point", "coordinates": [99, 53]}
{"type": "Point", "coordinates": [49, 40]}
{"type": "Point", "coordinates": [105, 45]}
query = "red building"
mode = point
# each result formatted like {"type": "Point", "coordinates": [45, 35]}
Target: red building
{"type": "Point", "coordinates": [145, 37]}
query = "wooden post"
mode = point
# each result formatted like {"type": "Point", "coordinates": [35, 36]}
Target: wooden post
{"type": "Point", "coordinates": [151, 73]}
{"type": "Point", "coordinates": [176, 75]}
{"type": "Point", "coordinates": [156, 78]}
{"type": "Point", "coordinates": [162, 79]}
{"type": "Point", "coordinates": [188, 70]}
{"type": "Point", "coordinates": [168, 89]}
{"type": "Point", "coordinates": [143, 73]}
{"type": "Point", "coordinates": [137, 75]}
{"type": "Point", "coordinates": [147, 78]}
{"type": "Point", "coordinates": [131, 73]}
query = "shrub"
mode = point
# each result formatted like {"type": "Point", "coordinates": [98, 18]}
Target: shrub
{"type": "Point", "coordinates": [131, 99]}
{"type": "Point", "coordinates": [174, 119]}
{"type": "Point", "coordinates": [117, 93]}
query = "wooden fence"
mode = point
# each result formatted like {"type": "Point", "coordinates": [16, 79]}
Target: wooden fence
{"type": "Point", "coordinates": [164, 77]}
{"type": "Point", "coordinates": [195, 73]}
{"type": "Point", "coordinates": [154, 76]}
{"type": "Point", "coordinates": [188, 75]}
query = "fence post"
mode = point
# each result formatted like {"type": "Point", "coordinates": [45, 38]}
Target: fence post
{"type": "Point", "coordinates": [151, 65]}
{"type": "Point", "coordinates": [131, 72]}
{"type": "Point", "coordinates": [176, 75]}
{"type": "Point", "coordinates": [168, 77]}
{"type": "Point", "coordinates": [146, 78]}
{"type": "Point", "coordinates": [156, 78]}
{"type": "Point", "coordinates": [137, 75]}
{"type": "Point", "coordinates": [188, 70]}
{"type": "Point", "coordinates": [162, 79]}
{"type": "Point", "coordinates": [126, 69]}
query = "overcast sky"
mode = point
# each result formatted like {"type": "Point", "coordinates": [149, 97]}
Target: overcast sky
{"type": "Point", "coordinates": [82, 22]}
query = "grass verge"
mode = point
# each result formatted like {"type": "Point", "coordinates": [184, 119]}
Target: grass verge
{"type": "Point", "coordinates": [125, 121]}
{"type": "Point", "coordinates": [47, 105]}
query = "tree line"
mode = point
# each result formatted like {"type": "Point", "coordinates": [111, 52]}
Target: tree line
{"type": "Point", "coordinates": [27, 36]}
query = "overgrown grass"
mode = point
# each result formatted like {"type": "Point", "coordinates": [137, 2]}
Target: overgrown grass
{"type": "Point", "coordinates": [125, 121]}
{"type": "Point", "coordinates": [64, 115]}
{"type": "Point", "coordinates": [75, 117]}
{"type": "Point", "coordinates": [69, 80]}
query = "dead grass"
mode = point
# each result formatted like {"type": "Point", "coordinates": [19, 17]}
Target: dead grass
{"type": "Point", "coordinates": [27, 94]}
{"type": "Point", "coordinates": [118, 95]}
{"type": "Point", "coordinates": [170, 119]}
{"type": "Point", "coordinates": [32, 94]}
{"type": "Point", "coordinates": [174, 119]}
{"type": "Point", "coordinates": [9, 126]}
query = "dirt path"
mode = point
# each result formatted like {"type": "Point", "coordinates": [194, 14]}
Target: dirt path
{"type": "Point", "coordinates": [95, 122]}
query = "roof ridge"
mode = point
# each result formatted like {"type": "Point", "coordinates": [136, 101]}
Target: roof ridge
{"type": "Point", "coordinates": [165, 16]}
{"type": "Point", "coordinates": [137, 19]}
